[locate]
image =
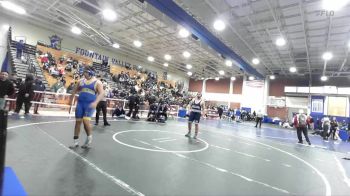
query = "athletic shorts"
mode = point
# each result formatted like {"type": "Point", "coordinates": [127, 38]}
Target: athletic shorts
{"type": "Point", "coordinates": [83, 110]}
{"type": "Point", "coordinates": [194, 117]}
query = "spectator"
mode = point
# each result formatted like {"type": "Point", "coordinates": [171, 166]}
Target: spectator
{"type": "Point", "coordinates": [302, 128]}
{"type": "Point", "coordinates": [286, 125]}
{"type": "Point", "coordinates": [38, 86]}
{"type": "Point", "coordinates": [348, 130]}
{"type": "Point", "coordinates": [62, 90]}
{"type": "Point", "coordinates": [63, 80]}
{"type": "Point", "coordinates": [310, 122]}
{"type": "Point", "coordinates": [76, 76]}
{"type": "Point", "coordinates": [134, 102]}
{"type": "Point", "coordinates": [118, 112]}
{"type": "Point", "coordinates": [325, 126]}
{"type": "Point", "coordinates": [7, 89]}
{"type": "Point", "coordinates": [71, 87]}
{"type": "Point", "coordinates": [19, 47]}
{"type": "Point", "coordinates": [56, 86]}
{"type": "Point", "coordinates": [259, 118]}
{"type": "Point", "coordinates": [220, 111]}
{"type": "Point", "coordinates": [54, 72]}
{"type": "Point", "coordinates": [333, 128]}
{"type": "Point", "coordinates": [25, 95]}
{"type": "Point", "coordinates": [237, 113]}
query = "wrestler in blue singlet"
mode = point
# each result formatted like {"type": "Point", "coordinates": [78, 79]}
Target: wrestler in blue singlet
{"type": "Point", "coordinates": [87, 95]}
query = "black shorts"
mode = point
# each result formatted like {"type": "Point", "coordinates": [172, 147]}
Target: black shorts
{"type": "Point", "coordinates": [194, 117]}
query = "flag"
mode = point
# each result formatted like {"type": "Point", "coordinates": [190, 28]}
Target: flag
{"type": "Point", "coordinates": [3, 48]}
{"type": "Point", "coordinates": [5, 64]}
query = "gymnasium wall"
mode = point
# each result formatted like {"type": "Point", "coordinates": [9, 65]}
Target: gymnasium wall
{"type": "Point", "coordinates": [218, 91]}
{"type": "Point", "coordinates": [221, 86]}
{"type": "Point", "coordinates": [337, 81]}
{"type": "Point", "coordinates": [277, 89]}
{"type": "Point", "coordinates": [34, 33]}
{"type": "Point", "coordinates": [277, 85]}
{"type": "Point", "coordinates": [195, 85]}
{"type": "Point", "coordinates": [237, 86]}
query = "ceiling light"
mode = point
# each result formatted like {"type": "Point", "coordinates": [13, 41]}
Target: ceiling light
{"type": "Point", "coordinates": [221, 72]}
{"type": "Point", "coordinates": [324, 78]}
{"type": "Point", "coordinates": [217, 78]}
{"type": "Point", "coordinates": [186, 54]}
{"type": "Point", "coordinates": [13, 7]}
{"type": "Point", "coordinates": [188, 66]}
{"type": "Point", "coordinates": [76, 30]}
{"type": "Point", "coordinates": [184, 33]}
{"type": "Point", "coordinates": [115, 45]}
{"type": "Point", "coordinates": [251, 78]}
{"type": "Point", "coordinates": [166, 64]}
{"type": "Point", "coordinates": [272, 77]}
{"type": "Point", "coordinates": [219, 25]}
{"type": "Point", "coordinates": [202, 78]}
{"type": "Point", "coordinates": [293, 69]}
{"type": "Point", "coordinates": [137, 43]}
{"type": "Point", "coordinates": [189, 73]}
{"type": "Point", "coordinates": [150, 58]}
{"type": "Point", "coordinates": [167, 57]}
{"type": "Point", "coordinates": [280, 41]}
{"type": "Point", "coordinates": [5, 26]}
{"type": "Point", "coordinates": [255, 61]}
{"type": "Point", "coordinates": [334, 5]}
{"type": "Point", "coordinates": [327, 56]}
{"type": "Point", "coordinates": [109, 15]}
{"type": "Point", "coordinates": [228, 63]}
{"type": "Point", "coordinates": [233, 78]}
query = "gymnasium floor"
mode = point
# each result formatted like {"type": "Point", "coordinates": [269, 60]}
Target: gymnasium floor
{"type": "Point", "coordinates": [142, 158]}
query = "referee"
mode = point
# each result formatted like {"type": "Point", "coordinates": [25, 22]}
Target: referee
{"type": "Point", "coordinates": [102, 105]}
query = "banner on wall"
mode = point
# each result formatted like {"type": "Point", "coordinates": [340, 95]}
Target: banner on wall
{"type": "Point", "coordinates": [55, 42]}
{"type": "Point", "coordinates": [101, 57]}
{"type": "Point", "coordinates": [317, 106]}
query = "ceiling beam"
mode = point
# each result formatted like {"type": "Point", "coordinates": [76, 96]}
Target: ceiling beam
{"type": "Point", "coordinates": [305, 40]}
{"type": "Point", "coordinates": [172, 10]}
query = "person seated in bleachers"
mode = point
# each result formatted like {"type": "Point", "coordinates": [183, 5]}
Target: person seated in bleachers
{"type": "Point", "coordinates": [61, 59]}
{"type": "Point", "coordinates": [61, 71]}
{"type": "Point", "coordinates": [24, 60]}
{"type": "Point", "coordinates": [62, 90]}
{"type": "Point", "coordinates": [69, 67]}
{"type": "Point", "coordinates": [76, 76]}
{"type": "Point", "coordinates": [54, 72]}
{"type": "Point", "coordinates": [57, 86]}
{"type": "Point", "coordinates": [121, 78]}
{"type": "Point", "coordinates": [81, 70]}
{"type": "Point", "coordinates": [71, 87]}
{"type": "Point", "coordinates": [115, 78]}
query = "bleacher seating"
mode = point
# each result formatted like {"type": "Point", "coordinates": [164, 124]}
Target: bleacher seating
{"type": "Point", "coordinates": [100, 68]}
{"type": "Point", "coordinates": [21, 69]}
{"type": "Point", "coordinates": [57, 54]}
